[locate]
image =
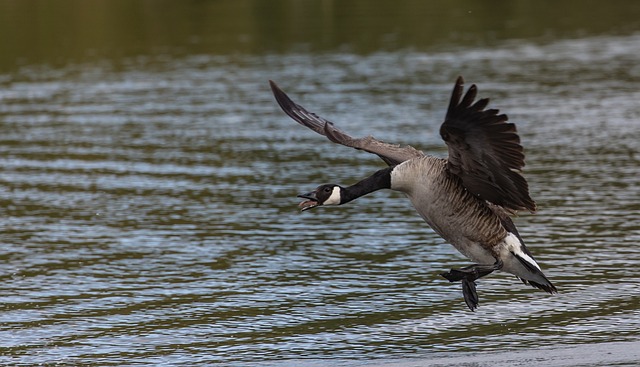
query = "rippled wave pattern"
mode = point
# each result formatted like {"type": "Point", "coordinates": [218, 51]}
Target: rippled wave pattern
{"type": "Point", "coordinates": [149, 211]}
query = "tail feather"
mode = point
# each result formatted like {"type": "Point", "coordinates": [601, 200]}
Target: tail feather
{"type": "Point", "coordinates": [549, 287]}
{"type": "Point", "coordinates": [541, 281]}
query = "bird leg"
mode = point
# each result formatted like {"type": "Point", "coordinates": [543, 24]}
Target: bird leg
{"type": "Point", "coordinates": [468, 276]}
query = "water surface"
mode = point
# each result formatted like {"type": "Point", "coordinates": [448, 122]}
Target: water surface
{"type": "Point", "coordinates": [149, 209]}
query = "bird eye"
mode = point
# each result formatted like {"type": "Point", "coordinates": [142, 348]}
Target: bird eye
{"type": "Point", "coordinates": [327, 189]}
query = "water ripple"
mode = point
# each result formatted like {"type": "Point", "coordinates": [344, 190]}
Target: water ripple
{"type": "Point", "coordinates": [152, 214]}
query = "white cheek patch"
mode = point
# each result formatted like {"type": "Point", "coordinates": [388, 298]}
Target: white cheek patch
{"type": "Point", "coordinates": [335, 197]}
{"type": "Point", "coordinates": [514, 245]}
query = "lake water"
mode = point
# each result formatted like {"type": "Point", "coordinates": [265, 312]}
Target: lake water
{"type": "Point", "coordinates": [149, 210]}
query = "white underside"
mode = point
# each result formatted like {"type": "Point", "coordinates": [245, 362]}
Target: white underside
{"type": "Point", "coordinates": [512, 244]}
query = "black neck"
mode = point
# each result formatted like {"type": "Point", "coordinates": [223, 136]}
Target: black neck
{"type": "Point", "coordinates": [379, 180]}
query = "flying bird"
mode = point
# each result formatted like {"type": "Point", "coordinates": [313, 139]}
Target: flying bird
{"type": "Point", "coordinates": [467, 198]}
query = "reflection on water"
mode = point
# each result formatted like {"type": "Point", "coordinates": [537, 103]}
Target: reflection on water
{"type": "Point", "coordinates": [56, 33]}
{"type": "Point", "coordinates": [149, 210]}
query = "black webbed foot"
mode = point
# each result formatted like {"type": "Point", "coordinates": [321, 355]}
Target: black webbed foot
{"type": "Point", "coordinates": [470, 294]}
{"type": "Point", "coordinates": [467, 276]}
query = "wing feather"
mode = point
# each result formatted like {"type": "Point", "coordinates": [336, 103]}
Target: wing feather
{"type": "Point", "coordinates": [390, 153]}
{"type": "Point", "coordinates": [485, 151]}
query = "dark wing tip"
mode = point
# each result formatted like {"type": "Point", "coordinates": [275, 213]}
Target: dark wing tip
{"type": "Point", "coordinates": [287, 105]}
{"type": "Point", "coordinates": [274, 87]}
{"type": "Point", "coordinates": [278, 93]}
{"type": "Point", "coordinates": [548, 287]}
{"type": "Point", "coordinates": [468, 99]}
{"type": "Point", "coordinates": [281, 97]}
{"type": "Point", "coordinates": [297, 112]}
{"type": "Point", "coordinates": [456, 94]}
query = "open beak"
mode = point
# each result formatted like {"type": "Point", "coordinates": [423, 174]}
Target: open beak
{"type": "Point", "coordinates": [311, 201]}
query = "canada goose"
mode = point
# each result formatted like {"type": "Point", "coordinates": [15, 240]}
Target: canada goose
{"type": "Point", "coordinates": [467, 198]}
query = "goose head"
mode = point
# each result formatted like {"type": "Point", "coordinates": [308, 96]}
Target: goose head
{"type": "Point", "coordinates": [328, 194]}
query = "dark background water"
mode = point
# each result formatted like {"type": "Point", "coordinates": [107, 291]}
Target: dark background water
{"type": "Point", "coordinates": [148, 182]}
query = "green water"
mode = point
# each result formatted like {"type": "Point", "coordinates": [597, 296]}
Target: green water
{"type": "Point", "coordinates": [148, 182]}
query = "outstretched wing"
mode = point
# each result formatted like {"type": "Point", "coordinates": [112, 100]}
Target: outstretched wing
{"type": "Point", "coordinates": [485, 151]}
{"type": "Point", "coordinates": [390, 153]}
